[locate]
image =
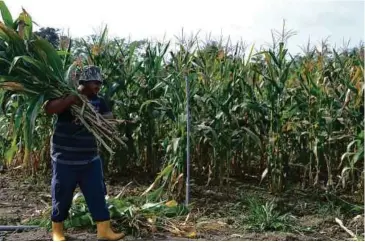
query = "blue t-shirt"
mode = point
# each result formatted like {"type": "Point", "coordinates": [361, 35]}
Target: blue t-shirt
{"type": "Point", "coordinates": [71, 142]}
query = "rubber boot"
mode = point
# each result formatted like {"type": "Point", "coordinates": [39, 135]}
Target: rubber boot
{"type": "Point", "coordinates": [57, 232]}
{"type": "Point", "coordinates": [106, 233]}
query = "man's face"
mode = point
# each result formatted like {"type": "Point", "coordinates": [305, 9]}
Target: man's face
{"type": "Point", "coordinates": [92, 88]}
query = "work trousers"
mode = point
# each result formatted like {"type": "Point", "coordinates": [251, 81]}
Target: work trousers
{"type": "Point", "coordinates": [91, 181]}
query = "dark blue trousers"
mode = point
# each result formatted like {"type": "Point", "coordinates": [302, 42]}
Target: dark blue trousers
{"type": "Point", "coordinates": [91, 181]}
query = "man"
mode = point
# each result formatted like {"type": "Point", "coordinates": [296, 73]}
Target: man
{"type": "Point", "coordinates": [75, 159]}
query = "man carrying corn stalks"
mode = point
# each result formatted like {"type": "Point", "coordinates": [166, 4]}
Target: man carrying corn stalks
{"type": "Point", "coordinates": [75, 159]}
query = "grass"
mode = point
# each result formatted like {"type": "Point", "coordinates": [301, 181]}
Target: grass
{"type": "Point", "coordinates": [297, 212]}
{"type": "Point", "coordinates": [267, 217]}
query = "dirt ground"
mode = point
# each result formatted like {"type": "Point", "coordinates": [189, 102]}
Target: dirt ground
{"type": "Point", "coordinates": [215, 214]}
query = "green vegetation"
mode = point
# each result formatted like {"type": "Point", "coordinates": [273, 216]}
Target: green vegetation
{"type": "Point", "coordinates": [266, 217]}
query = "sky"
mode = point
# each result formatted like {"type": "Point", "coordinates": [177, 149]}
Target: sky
{"type": "Point", "coordinates": [246, 20]}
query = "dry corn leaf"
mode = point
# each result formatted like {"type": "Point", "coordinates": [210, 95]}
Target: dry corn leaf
{"type": "Point", "coordinates": [152, 220]}
{"type": "Point", "coordinates": [211, 225]}
{"type": "Point", "coordinates": [171, 204]}
{"type": "Point", "coordinates": [191, 235]}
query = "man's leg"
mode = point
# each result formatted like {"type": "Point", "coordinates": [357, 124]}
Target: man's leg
{"type": "Point", "coordinates": [63, 186]}
{"type": "Point", "coordinates": [93, 187]}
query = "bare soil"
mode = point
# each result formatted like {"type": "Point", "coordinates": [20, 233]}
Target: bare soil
{"type": "Point", "coordinates": [215, 216]}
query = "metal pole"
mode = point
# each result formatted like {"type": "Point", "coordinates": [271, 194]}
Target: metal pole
{"type": "Point", "coordinates": [187, 180]}
{"type": "Point", "coordinates": [16, 227]}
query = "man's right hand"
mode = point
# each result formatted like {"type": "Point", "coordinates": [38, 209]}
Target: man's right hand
{"type": "Point", "coordinates": [59, 105]}
{"type": "Point", "coordinates": [73, 99]}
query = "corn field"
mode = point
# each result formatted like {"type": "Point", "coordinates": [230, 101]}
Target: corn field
{"type": "Point", "coordinates": [255, 113]}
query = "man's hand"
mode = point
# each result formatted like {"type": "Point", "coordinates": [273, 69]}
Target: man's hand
{"type": "Point", "coordinates": [59, 105]}
{"type": "Point", "coordinates": [73, 99]}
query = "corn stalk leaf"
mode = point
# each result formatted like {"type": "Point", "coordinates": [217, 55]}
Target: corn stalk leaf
{"type": "Point", "coordinates": [52, 58]}
{"type": "Point", "coordinates": [6, 15]}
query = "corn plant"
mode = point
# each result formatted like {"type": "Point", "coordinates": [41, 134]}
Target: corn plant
{"type": "Point", "coordinates": [255, 113]}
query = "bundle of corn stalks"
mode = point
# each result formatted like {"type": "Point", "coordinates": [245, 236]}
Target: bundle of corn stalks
{"type": "Point", "coordinates": [31, 66]}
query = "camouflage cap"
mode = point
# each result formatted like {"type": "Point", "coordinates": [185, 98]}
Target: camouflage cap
{"type": "Point", "coordinates": [90, 73]}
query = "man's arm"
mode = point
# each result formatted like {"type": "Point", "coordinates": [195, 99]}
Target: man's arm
{"type": "Point", "coordinates": [59, 105]}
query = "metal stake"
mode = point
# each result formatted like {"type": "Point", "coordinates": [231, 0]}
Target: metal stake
{"type": "Point", "coordinates": [187, 179]}
{"type": "Point", "coordinates": [16, 227]}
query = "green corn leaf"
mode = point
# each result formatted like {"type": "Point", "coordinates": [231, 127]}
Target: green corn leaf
{"type": "Point", "coordinates": [103, 37]}
{"type": "Point", "coordinates": [68, 56]}
{"type": "Point", "coordinates": [9, 154]}
{"type": "Point", "coordinates": [33, 110]}
{"type": "Point", "coordinates": [88, 49]}
{"type": "Point", "coordinates": [5, 99]}
{"type": "Point", "coordinates": [52, 58]}
{"type": "Point", "coordinates": [6, 15]}
{"type": "Point", "coordinates": [17, 128]}
{"type": "Point", "coordinates": [253, 136]}
{"type": "Point", "coordinates": [37, 64]}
